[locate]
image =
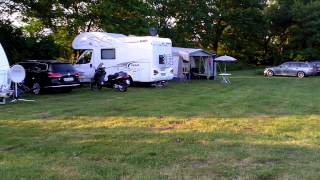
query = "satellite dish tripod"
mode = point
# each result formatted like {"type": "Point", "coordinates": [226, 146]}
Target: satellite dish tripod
{"type": "Point", "coordinates": [17, 75]}
{"type": "Point", "coordinates": [16, 96]}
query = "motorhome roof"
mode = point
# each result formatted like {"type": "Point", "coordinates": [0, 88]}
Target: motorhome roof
{"type": "Point", "coordinates": [91, 40]}
{"type": "Point", "coordinates": [42, 61]}
{"type": "Point", "coordinates": [131, 39]}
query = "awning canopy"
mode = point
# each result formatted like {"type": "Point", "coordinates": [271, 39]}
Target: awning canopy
{"type": "Point", "coordinates": [186, 53]}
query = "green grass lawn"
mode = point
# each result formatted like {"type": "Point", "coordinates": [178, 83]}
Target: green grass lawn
{"type": "Point", "coordinates": [256, 128]}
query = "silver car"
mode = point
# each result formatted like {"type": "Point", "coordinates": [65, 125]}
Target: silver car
{"type": "Point", "coordinates": [299, 69]}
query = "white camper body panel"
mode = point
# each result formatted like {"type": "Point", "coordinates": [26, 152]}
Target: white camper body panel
{"type": "Point", "coordinates": [4, 72]}
{"type": "Point", "coordinates": [145, 59]}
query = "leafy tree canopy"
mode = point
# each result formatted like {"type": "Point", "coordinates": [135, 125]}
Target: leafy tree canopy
{"type": "Point", "coordinates": [255, 31]}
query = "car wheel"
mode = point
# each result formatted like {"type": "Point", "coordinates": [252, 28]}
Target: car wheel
{"type": "Point", "coordinates": [270, 73]}
{"type": "Point", "coordinates": [36, 88]}
{"type": "Point", "coordinates": [300, 74]}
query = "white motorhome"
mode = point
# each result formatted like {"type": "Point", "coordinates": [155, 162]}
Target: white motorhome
{"type": "Point", "coordinates": [4, 76]}
{"type": "Point", "coordinates": [146, 59]}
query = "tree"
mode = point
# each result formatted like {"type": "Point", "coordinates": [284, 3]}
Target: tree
{"type": "Point", "coordinates": [18, 47]}
{"type": "Point", "coordinates": [254, 31]}
{"type": "Point", "coordinates": [293, 30]}
{"type": "Point", "coordinates": [222, 26]}
{"type": "Point", "coordinates": [125, 17]}
{"type": "Point", "coordinates": [304, 42]}
{"type": "Point", "coordinates": [61, 20]}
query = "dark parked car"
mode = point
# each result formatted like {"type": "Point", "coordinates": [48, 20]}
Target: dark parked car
{"type": "Point", "coordinates": [299, 69]}
{"type": "Point", "coordinates": [50, 74]}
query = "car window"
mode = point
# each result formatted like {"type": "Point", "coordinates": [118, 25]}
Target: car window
{"type": "Point", "coordinates": [317, 64]}
{"type": "Point", "coordinates": [62, 68]}
{"type": "Point", "coordinates": [304, 65]}
{"type": "Point", "coordinates": [297, 64]}
{"type": "Point", "coordinates": [292, 65]}
{"type": "Point", "coordinates": [27, 66]}
{"type": "Point", "coordinates": [41, 67]}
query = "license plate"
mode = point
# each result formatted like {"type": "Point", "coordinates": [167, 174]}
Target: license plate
{"type": "Point", "coordinates": [163, 74]}
{"type": "Point", "coordinates": [68, 79]}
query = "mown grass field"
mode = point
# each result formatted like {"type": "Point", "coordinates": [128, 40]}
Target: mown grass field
{"type": "Point", "coordinates": [256, 128]}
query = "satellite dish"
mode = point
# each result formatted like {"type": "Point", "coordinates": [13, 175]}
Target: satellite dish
{"type": "Point", "coordinates": [17, 73]}
{"type": "Point", "coordinates": [153, 31]}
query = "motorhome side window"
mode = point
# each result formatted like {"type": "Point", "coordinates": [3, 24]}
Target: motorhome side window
{"type": "Point", "coordinates": [85, 57]}
{"type": "Point", "coordinates": [108, 54]}
{"type": "Point", "coordinates": [161, 59]}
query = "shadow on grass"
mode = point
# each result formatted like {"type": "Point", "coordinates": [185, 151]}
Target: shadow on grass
{"type": "Point", "coordinates": [248, 95]}
{"type": "Point", "coordinates": [153, 152]}
{"type": "Point", "coordinates": [244, 98]}
{"type": "Point", "coordinates": [256, 128]}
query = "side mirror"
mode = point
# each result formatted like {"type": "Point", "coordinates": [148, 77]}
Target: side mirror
{"type": "Point", "coordinates": [280, 66]}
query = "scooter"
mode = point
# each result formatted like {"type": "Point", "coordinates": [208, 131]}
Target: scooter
{"type": "Point", "coordinates": [97, 82]}
{"type": "Point", "coordinates": [119, 81]}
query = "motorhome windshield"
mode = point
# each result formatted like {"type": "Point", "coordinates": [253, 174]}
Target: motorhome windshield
{"type": "Point", "coordinates": [85, 57]}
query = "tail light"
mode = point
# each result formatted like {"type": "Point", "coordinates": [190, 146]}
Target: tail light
{"type": "Point", "coordinates": [77, 74]}
{"type": "Point", "coordinates": [54, 75]}
{"type": "Point", "coordinates": [155, 72]}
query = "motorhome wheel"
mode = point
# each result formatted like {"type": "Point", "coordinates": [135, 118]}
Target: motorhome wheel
{"type": "Point", "coordinates": [160, 84]}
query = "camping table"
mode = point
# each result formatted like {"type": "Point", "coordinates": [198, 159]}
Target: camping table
{"type": "Point", "coordinates": [225, 78]}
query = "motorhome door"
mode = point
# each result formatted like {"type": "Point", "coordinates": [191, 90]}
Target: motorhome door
{"type": "Point", "coordinates": [84, 65]}
{"type": "Point", "coordinates": [4, 69]}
